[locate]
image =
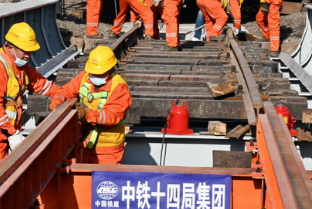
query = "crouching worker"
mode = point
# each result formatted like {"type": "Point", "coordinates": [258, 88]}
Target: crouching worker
{"type": "Point", "coordinates": [104, 98]}
{"type": "Point", "coordinates": [16, 76]}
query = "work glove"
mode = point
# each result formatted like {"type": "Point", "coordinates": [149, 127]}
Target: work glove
{"type": "Point", "coordinates": [138, 22]}
{"type": "Point", "coordinates": [57, 105]}
{"type": "Point", "coordinates": [306, 1]}
{"type": "Point", "coordinates": [156, 2]}
{"type": "Point", "coordinates": [15, 140]}
{"type": "Point", "coordinates": [265, 8]}
{"type": "Point", "coordinates": [235, 31]}
{"type": "Point", "coordinates": [82, 111]}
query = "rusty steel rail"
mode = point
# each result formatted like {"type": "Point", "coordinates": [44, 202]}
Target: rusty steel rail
{"type": "Point", "coordinates": [249, 78]}
{"type": "Point", "coordinates": [25, 172]}
{"type": "Point", "coordinates": [286, 179]}
{"type": "Point", "coordinates": [126, 40]}
{"type": "Point", "coordinates": [45, 151]}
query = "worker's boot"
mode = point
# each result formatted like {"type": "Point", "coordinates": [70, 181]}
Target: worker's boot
{"type": "Point", "coordinates": [216, 38]}
{"type": "Point", "coordinates": [171, 48]}
{"type": "Point", "coordinates": [95, 36]}
{"type": "Point", "coordinates": [148, 38]}
{"type": "Point", "coordinates": [274, 53]}
{"type": "Point", "coordinates": [112, 35]}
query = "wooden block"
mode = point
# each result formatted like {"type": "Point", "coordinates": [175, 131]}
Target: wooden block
{"type": "Point", "coordinates": [217, 128]}
{"type": "Point", "coordinates": [291, 7]}
{"type": "Point", "coordinates": [307, 116]}
{"type": "Point", "coordinates": [303, 135]}
{"type": "Point", "coordinates": [238, 131]}
{"type": "Point", "coordinates": [128, 130]}
{"type": "Point", "coordinates": [78, 13]}
{"type": "Point", "coordinates": [220, 86]}
{"type": "Point", "coordinates": [231, 159]}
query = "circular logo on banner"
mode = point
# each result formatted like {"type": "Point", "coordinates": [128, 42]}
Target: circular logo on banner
{"type": "Point", "coordinates": [107, 190]}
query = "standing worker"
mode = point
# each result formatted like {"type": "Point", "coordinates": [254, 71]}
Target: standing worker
{"type": "Point", "coordinates": [233, 8]}
{"type": "Point", "coordinates": [141, 8]}
{"type": "Point", "coordinates": [215, 18]}
{"type": "Point", "coordinates": [268, 20]}
{"type": "Point", "coordinates": [199, 23]}
{"type": "Point", "coordinates": [16, 76]}
{"type": "Point", "coordinates": [104, 98]}
{"type": "Point", "coordinates": [94, 9]}
{"type": "Point", "coordinates": [157, 11]}
{"type": "Point", "coordinates": [170, 15]}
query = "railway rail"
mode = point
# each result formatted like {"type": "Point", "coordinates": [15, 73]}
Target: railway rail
{"type": "Point", "coordinates": [45, 171]}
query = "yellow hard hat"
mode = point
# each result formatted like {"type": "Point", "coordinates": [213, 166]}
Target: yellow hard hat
{"type": "Point", "coordinates": [23, 36]}
{"type": "Point", "coordinates": [101, 60]}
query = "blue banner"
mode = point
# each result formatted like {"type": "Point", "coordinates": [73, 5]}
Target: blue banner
{"type": "Point", "coordinates": [129, 190]}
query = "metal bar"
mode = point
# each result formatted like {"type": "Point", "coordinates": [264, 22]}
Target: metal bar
{"type": "Point", "coordinates": [58, 140]}
{"type": "Point", "coordinates": [303, 76]}
{"type": "Point", "coordinates": [40, 15]}
{"type": "Point", "coordinates": [251, 116]}
{"type": "Point", "coordinates": [34, 139]}
{"type": "Point", "coordinates": [127, 39]}
{"type": "Point", "coordinates": [252, 86]}
{"type": "Point", "coordinates": [286, 179]}
{"type": "Point", "coordinates": [87, 168]}
{"type": "Point", "coordinates": [55, 63]}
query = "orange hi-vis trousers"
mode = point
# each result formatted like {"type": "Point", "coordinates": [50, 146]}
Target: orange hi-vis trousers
{"type": "Point", "coordinates": [94, 9]}
{"type": "Point", "coordinates": [215, 17]}
{"type": "Point", "coordinates": [143, 11]}
{"type": "Point", "coordinates": [269, 25]}
{"type": "Point", "coordinates": [157, 11]}
{"type": "Point", "coordinates": [170, 15]}
{"type": "Point", "coordinates": [104, 155]}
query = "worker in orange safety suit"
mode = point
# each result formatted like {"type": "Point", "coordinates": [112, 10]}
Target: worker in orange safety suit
{"type": "Point", "coordinates": [268, 20]}
{"type": "Point", "coordinates": [215, 15]}
{"type": "Point", "coordinates": [233, 7]}
{"type": "Point", "coordinates": [141, 8]}
{"type": "Point", "coordinates": [16, 76]}
{"type": "Point", "coordinates": [104, 98]}
{"type": "Point", "coordinates": [170, 15]}
{"type": "Point", "coordinates": [157, 11]}
{"type": "Point", "coordinates": [94, 9]}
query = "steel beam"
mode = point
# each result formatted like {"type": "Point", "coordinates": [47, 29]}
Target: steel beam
{"type": "Point", "coordinates": [286, 179]}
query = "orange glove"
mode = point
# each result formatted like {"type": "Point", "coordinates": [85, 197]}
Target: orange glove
{"type": "Point", "coordinates": [82, 111]}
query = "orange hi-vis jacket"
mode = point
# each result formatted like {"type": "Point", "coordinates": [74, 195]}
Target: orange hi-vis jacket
{"type": "Point", "coordinates": [139, 7]}
{"type": "Point", "coordinates": [269, 23]}
{"type": "Point", "coordinates": [215, 17]}
{"type": "Point", "coordinates": [170, 15]}
{"type": "Point", "coordinates": [14, 81]}
{"type": "Point", "coordinates": [110, 114]}
{"type": "Point", "coordinates": [107, 116]}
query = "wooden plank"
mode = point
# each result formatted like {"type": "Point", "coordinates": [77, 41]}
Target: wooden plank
{"type": "Point", "coordinates": [231, 159]}
{"type": "Point", "coordinates": [291, 7]}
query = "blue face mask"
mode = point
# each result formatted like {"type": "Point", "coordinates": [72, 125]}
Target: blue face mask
{"type": "Point", "coordinates": [97, 80]}
{"type": "Point", "coordinates": [19, 62]}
